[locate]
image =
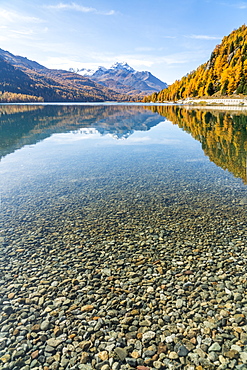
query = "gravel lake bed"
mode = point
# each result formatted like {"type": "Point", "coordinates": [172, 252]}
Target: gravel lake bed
{"type": "Point", "coordinates": [121, 257]}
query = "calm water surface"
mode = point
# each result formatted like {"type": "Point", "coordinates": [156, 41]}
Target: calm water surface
{"type": "Point", "coordinates": [115, 168]}
{"type": "Point", "coordinates": [113, 213]}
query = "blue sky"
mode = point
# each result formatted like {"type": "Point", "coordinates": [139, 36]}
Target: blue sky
{"type": "Point", "coordinates": [166, 37]}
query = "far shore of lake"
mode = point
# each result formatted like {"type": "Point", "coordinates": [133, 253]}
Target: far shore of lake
{"type": "Point", "coordinates": [239, 102]}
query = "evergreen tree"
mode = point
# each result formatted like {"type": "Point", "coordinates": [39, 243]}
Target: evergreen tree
{"type": "Point", "coordinates": [225, 72]}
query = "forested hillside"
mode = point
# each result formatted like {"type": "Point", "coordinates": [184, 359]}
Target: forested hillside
{"type": "Point", "coordinates": [24, 80]}
{"type": "Point", "coordinates": [224, 74]}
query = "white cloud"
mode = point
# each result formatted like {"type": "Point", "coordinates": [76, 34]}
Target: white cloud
{"type": "Point", "coordinates": [8, 17]}
{"type": "Point", "coordinates": [59, 62]}
{"type": "Point", "coordinates": [240, 5]}
{"type": "Point", "coordinates": [144, 48]}
{"type": "Point", "coordinates": [179, 58]}
{"type": "Point", "coordinates": [19, 28]}
{"type": "Point", "coordinates": [102, 60]}
{"type": "Point", "coordinates": [203, 37]}
{"type": "Point", "coordinates": [147, 49]}
{"type": "Point", "coordinates": [72, 6]}
{"type": "Point", "coordinates": [145, 61]}
{"type": "Point", "coordinates": [135, 61]}
{"type": "Point", "coordinates": [23, 32]}
{"type": "Point", "coordinates": [79, 8]}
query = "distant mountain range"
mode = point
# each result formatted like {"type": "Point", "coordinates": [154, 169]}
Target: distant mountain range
{"type": "Point", "coordinates": [20, 75]}
{"type": "Point", "coordinates": [120, 77]}
{"type": "Point", "coordinates": [21, 78]}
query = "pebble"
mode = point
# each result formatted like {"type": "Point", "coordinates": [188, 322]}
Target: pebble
{"type": "Point", "coordinates": [179, 303]}
{"type": "Point", "coordinates": [173, 355]}
{"type": "Point", "coordinates": [125, 271]}
{"type": "Point", "coordinates": [44, 325]}
{"type": "Point", "coordinates": [84, 357]}
{"type": "Point", "coordinates": [215, 347]}
{"type": "Point", "coordinates": [121, 353]}
{"type": "Point", "coordinates": [103, 355]}
{"type": "Point", "coordinates": [182, 351]}
{"type": "Point", "coordinates": [5, 358]}
{"type": "Point", "coordinates": [148, 336]}
{"type": "Point", "coordinates": [243, 357]}
{"type": "Point", "coordinates": [53, 342]}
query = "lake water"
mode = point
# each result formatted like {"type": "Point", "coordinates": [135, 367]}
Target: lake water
{"type": "Point", "coordinates": [54, 155]}
{"type": "Point", "coordinates": [149, 182]}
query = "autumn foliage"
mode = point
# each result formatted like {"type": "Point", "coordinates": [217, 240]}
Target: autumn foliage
{"type": "Point", "coordinates": [8, 97]}
{"type": "Point", "coordinates": [223, 135]}
{"type": "Point", "coordinates": [224, 74]}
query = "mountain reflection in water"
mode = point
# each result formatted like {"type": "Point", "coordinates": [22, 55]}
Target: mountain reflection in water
{"type": "Point", "coordinates": [223, 135]}
{"type": "Point", "coordinates": [26, 125]}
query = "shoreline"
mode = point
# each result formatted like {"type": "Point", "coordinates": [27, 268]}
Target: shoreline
{"type": "Point", "coordinates": [239, 102]}
{"type": "Point", "coordinates": [202, 103]}
{"type": "Point", "coordinates": [231, 108]}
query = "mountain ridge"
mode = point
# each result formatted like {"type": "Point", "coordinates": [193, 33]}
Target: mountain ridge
{"type": "Point", "coordinates": [123, 78]}
{"type": "Point", "coordinates": [20, 75]}
{"type": "Point", "coordinates": [23, 77]}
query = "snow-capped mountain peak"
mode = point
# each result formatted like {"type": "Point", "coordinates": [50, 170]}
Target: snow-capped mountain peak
{"type": "Point", "coordinates": [124, 79]}
{"type": "Point", "coordinates": [122, 65]}
{"type": "Point", "coordinates": [100, 70]}
{"type": "Point", "coordinates": [88, 72]}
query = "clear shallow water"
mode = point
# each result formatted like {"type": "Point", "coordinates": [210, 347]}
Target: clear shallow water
{"type": "Point", "coordinates": [114, 211]}
{"type": "Point", "coordinates": [68, 160]}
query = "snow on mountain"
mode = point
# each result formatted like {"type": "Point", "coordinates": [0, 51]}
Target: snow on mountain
{"type": "Point", "coordinates": [120, 66]}
{"type": "Point", "coordinates": [88, 72]}
{"type": "Point", "coordinates": [100, 70]}
{"type": "Point", "coordinates": [123, 78]}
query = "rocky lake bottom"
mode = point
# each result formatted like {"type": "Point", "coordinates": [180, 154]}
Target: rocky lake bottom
{"type": "Point", "coordinates": [123, 259]}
